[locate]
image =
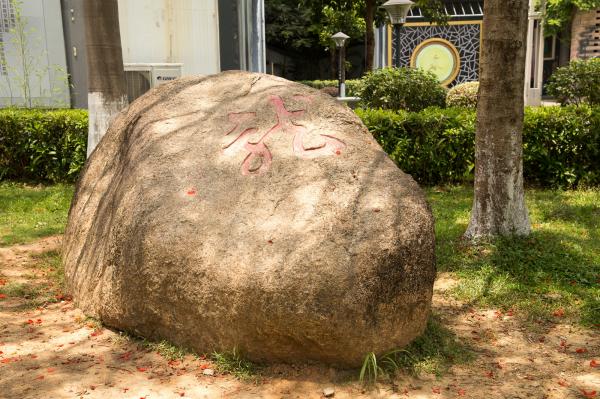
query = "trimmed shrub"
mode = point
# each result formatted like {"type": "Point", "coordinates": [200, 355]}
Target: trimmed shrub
{"type": "Point", "coordinates": [42, 145]}
{"type": "Point", "coordinates": [351, 85]}
{"type": "Point", "coordinates": [561, 146]}
{"type": "Point", "coordinates": [401, 88]}
{"type": "Point", "coordinates": [436, 146]}
{"type": "Point", "coordinates": [577, 83]}
{"type": "Point", "coordinates": [463, 95]}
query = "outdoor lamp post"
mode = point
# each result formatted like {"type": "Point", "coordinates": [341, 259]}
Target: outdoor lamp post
{"type": "Point", "coordinates": [339, 39]}
{"type": "Point", "coordinates": [397, 10]}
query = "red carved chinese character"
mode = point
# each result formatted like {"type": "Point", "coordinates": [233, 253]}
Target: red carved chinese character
{"type": "Point", "coordinates": [259, 156]}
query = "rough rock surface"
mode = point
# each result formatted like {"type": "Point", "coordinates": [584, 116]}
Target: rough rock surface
{"type": "Point", "coordinates": [245, 211]}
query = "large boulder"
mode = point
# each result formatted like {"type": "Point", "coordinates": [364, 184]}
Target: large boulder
{"type": "Point", "coordinates": [245, 211]}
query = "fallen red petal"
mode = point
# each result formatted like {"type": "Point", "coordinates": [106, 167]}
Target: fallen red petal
{"type": "Point", "coordinates": [580, 350]}
{"type": "Point", "coordinates": [588, 394]}
{"type": "Point", "coordinates": [594, 364]}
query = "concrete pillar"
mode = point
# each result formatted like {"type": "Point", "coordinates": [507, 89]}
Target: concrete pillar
{"type": "Point", "coordinates": [534, 57]}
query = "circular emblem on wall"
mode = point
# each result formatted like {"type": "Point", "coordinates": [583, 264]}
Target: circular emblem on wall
{"type": "Point", "coordinates": [438, 56]}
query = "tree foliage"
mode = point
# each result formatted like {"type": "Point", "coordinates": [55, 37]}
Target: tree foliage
{"type": "Point", "coordinates": [559, 13]}
{"type": "Point", "coordinates": [306, 24]}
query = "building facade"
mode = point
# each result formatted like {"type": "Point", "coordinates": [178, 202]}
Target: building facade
{"type": "Point", "coordinates": [160, 39]}
{"type": "Point", "coordinates": [452, 51]}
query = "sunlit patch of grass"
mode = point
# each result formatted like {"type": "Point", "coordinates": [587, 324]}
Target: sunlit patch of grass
{"type": "Point", "coordinates": [19, 290]}
{"type": "Point", "coordinates": [166, 349]}
{"type": "Point", "coordinates": [434, 352]}
{"type": "Point", "coordinates": [557, 267]}
{"type": "Point", "coordinates": [234, 363]}
{"type": "Point", "coordinates": [28, 213]}
{"type": "Point", "coordinates": [50, 263]}
{"type": "Point", "coordinates": [39, 290]}
{"type": "Point", "coordinates": [91, 322]}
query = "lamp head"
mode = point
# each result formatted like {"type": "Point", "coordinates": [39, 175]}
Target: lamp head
{"type": "Point", "coordinates": [340, 38]}
{"type": "Point", "coordinates": [397, 10]}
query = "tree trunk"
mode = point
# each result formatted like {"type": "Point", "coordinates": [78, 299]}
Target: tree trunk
{"type": "Point", "coordinates": [107, 91]}
{"type": "Point", "coordinates": [499, 202]}
{"type": "Point", "coordinates": [370, 36]}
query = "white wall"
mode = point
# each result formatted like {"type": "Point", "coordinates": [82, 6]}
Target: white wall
{"type": "Point", "coordinates": [44, 56]}
{"type": "Point", "coordinates": [178, 31]}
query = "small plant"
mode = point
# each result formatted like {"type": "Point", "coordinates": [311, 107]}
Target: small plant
{"type": "Point", "coordinates": [19, 290]}
{"type": "Point", "coordinates": [577, 83]}
{"type": "Point", "coordinates": [234, 364]}
{"type": "Point", "coordinates": [165, 349]}
{"type": "Point", "coordinates": [463, 95]}
{"type": "Point", "coordinates": [370, 370]}
{"type": "Point", "coordinates": [401, 88]}
{"type": "Point", "coordinates": [433, 353]}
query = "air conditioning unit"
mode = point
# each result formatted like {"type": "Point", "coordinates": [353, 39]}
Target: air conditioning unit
{"type": "Point", "coordinates": [141, 77]}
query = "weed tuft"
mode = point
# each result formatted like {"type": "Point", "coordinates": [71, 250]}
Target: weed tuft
{"type": "Point", "coordinates": [434, 352]}
{"type": "Point", "coordinates": [234, 364]}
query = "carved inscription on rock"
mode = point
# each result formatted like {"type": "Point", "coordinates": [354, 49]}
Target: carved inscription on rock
{"type": "Point", "coordinates": [259, 158]}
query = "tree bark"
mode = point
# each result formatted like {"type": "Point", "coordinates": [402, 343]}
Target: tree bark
{"type": "Point", "coordinates": [499, 201]}
{"type": "Point", "coordinates": [107, 93]}
{"type": "Point", "coordinates": [370, 36]}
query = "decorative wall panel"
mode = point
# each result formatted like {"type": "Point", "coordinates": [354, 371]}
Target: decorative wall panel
{"type": "Point", "coordinates": [466, 38]}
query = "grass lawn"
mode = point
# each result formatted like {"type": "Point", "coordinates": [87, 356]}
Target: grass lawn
{"type": "Point", "coordinates": [31, 212]}
{"type": "Point", "coordinates": [551, 276]}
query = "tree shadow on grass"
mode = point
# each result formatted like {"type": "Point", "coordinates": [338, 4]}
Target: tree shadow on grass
{"type": "Point", "coordinates": [556, 267]}
{"type": "Point", "coordinates": [539, 275]}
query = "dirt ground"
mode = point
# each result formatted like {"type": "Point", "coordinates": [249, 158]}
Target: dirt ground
{"type": "Point", "coordinates": [52, 351]}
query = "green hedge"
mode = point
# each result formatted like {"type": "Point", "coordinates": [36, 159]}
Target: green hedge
{"type": "Point", "coordinates": [561, 144]}
{"type": "Point", "coordinates": [351, 85]}
{"type": "Point", "coordinates": [42, 145]}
